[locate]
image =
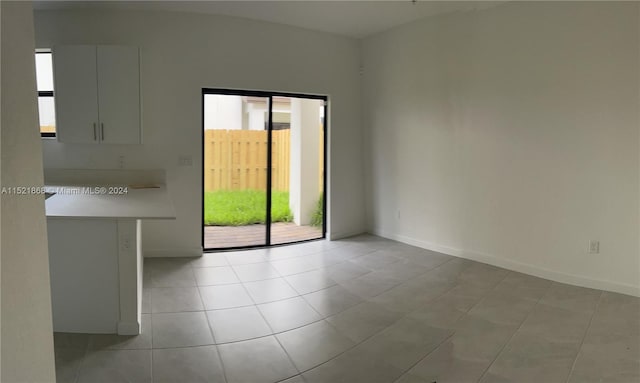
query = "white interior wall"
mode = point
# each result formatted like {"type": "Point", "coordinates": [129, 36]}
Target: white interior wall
{"type": "Point", "coordinates": [182, 53]}
{"type": "Point", "coordinates": [27, 335]}
{"type": "Point", "coordinates": [511, 136]}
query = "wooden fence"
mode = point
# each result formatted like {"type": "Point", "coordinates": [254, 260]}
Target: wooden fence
{"type": "Point", "coordinates": [237, 159]}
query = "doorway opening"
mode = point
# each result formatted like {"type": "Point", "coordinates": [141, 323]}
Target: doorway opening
{"type": "Point", "coordinates": [264, 168]}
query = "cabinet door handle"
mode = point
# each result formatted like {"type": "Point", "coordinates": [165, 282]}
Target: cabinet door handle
{"type": "Point", "coordinates": [102, 130]}
{"type": "Point", "coordinates": [95, 133]}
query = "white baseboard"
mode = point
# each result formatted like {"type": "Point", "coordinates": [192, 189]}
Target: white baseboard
{"type": "Point", "coordinates": [515, 266]}
{"type": "Point", "coordinates": [420, 243]}
{"type": "Point", "coordinates": [178, 252]}
{"type": "Point", "coordinates": [128, 328]}
{"type": "Point", "coordinates": [344, 234]}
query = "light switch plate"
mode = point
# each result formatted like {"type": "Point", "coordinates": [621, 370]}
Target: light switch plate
{"type": "Point", "coordinates": [185, 160]}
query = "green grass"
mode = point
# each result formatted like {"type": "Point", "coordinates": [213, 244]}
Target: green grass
{"type": "Point", "coordinates": [316, 218]}
{"type": "Point", "coordinates": [244, 207]}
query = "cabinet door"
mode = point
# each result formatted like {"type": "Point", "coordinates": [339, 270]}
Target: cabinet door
{"type": "Point", "coordinates": [76, 90]}
{"type": "Point", "coordinates": [83, 267]}
{"type": "Point", "coordinates": [119, 94]}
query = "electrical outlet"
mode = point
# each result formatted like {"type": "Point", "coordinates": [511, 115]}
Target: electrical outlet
{"type": "Point", "coordinates": [185, 160]}
{"type": "Point", "coordinates": [121, 162]}
{"type": "Point", "coordinates": [594, 246]}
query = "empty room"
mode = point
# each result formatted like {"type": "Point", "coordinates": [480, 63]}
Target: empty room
{"type": "Point", "coordinates": [320, 191]}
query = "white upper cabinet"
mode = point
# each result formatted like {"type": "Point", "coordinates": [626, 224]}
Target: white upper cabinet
{"type": "Point", "coordinates": [76, 93]}
{"type": "Point", "coordinates": [97, 94]}
{"type": "Point", "coordinates": [119, 94]}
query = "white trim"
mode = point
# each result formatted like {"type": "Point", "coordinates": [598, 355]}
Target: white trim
{"type": "Point", "coordinates": [346, 234]}
{"type": "Point", "coordinates": [515, 266]}
{"type": "Point", "coordinates": [177, 252]}
{"type": "Point", "coordinates": [129, 272]}
{"type": "Point", "coordinates": [423, 244]}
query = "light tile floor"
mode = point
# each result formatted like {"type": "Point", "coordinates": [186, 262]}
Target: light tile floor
{"type": "Point", "coordinates": [359, 310]}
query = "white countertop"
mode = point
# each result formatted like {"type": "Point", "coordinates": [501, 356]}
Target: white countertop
{"type": "Point", "coordinates": [114, 202]}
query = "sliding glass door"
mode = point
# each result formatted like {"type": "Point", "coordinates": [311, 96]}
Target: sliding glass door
{"type": "Point", "coordinates": [298, 169]}
{"type": "Point", "coordinates": [263, 168]}
{"type": "Point", "coordinates": [235, 175]}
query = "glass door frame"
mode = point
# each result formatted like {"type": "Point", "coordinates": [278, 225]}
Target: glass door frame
{"type": "Point", "coordinates": [268, 95]}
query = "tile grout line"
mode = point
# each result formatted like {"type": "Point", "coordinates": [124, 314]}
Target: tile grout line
{"type": "Point", "coordinates": [501, 352]}
{"type": "Point", "coordinates": [150, 295]}
{"type": "Point", "coordinates": [303, 299]}
{"type": "Point", "coordinates": [377, 332]}
{"type": "Point", "coordinates": [281, 276]}
{"type": "Point", "coordinates": [273, 333]}
{"type": "Point", "coordinates": [322, 318]}
{"type": "Point", "coordinates": [454, 331]}
{"type": "Point", "coordinates": [584, 336]}
{"type": "Point", "coordinates": [197, 287]}
{"type": "Point", "coordinates": [269, 261]}
{"type": "Point", "coordinates": [151, 331]}
{"type": "Point", "coordinates": [222, 253]}
{"type": "Point", "coordinates": [515, 332]}
{"type": "Point", "coordinates": [269, 325]}
{"type": "Point", "coordinates": [84, 358]}
{"type": "Point", "coordinates": [487, 293]}
{"type": "Point", "coordinates": [365, 339]}
{"type": "Point", "coordinates": [366, 299]}
{"type": "Point", "coordinates": [204, 311]}
{"type": "Point", "coordinates": [415, 277]}
{"type": "Point", "coordinates": [213, 335]}
{"type": "Point", "coordinates": [406, 372]}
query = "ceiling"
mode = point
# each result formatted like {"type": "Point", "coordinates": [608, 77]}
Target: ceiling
{"type": "Point", "coordinates": [353, 18]}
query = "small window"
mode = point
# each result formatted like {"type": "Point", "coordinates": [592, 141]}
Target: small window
{"type": "Point", "coordinates": [46, 106]}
